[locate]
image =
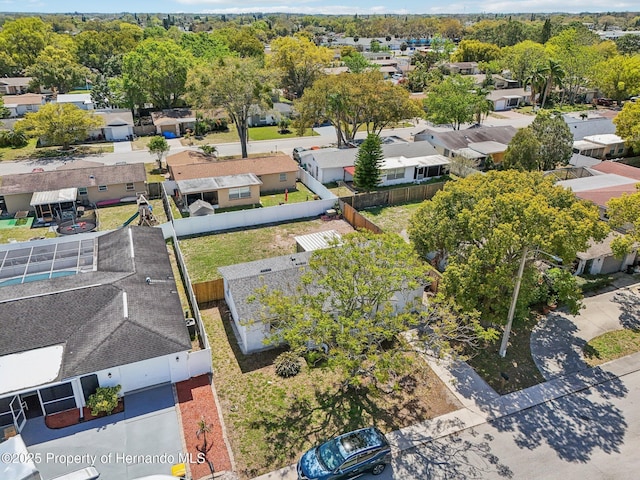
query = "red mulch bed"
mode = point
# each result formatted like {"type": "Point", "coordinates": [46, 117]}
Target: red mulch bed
{"type": "Point", "coordinates": [195, 398]}
{"type": "Point", "coordinates": [72, 417]}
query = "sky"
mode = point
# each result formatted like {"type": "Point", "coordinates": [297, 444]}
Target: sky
{"type": "Point", "coordinates": [330, 7]}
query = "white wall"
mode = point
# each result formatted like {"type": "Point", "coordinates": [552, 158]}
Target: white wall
{"type": "Point", "coordinates": [199, 362]}
{"type": "Point", "coordinates": [146, 373]}
{"type": "Point", "coordinates": [256, 216]}
{"type": "Point", "coordinates": [314, 185]}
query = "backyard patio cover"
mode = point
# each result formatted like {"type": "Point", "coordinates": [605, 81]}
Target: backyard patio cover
{"type": "Point", "coordinates": [54, 196]}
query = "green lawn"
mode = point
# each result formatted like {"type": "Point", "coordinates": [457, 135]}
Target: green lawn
{"type": "Point", "coordinates": [30, 151]}
{"type": "Point", "coordinates": [229, 136]}
{"type": "Point", "coordinates": [270, 421]}
{"type": "Point", "coordinates": [271, 133]}
{"type": "Point", "coordinates": [204, 254]}
{"type": "Point", "coordinates": [392, 219]}
{"type": "Point", "coordinates": [113, 217]}
{"type": "Point", "coordinates": [24, 233]}
{"type": "Point", "coordinates": [611, 345]}
{"type": "Point", "coordinates": [301, 194]}
{"type": "Point", "coordinates": [153, 174]}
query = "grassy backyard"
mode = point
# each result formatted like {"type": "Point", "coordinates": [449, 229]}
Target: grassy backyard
{"type": "Point", "coordinates": [270, 420]}
{"type": "Point", "coordinates": [113, 217]}
{"type": "Point", "coordinates": [300, 194]}
{"type": "Point", "coordinates": [272, 133]}
{"type": "Point", "coordinates": [22, 233]}
{"type": "Point", "coordinates": [393, 218]}
{"type": "Point", "coordinates": [204, 254]}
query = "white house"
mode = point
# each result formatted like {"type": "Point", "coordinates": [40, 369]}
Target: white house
{"type": "Point", "coordinates": [584, 124]}
{"type": "Point", "coordinates": [332, 164]}
{"type": "Point", "coordinates": [508, 98]}
{"type": "Point", "coordinates": [280, 273]}
{"type": "Point", "coordinates": [80, 100]}
{"type": "Point", "coordinates": [399, 170]}
{"type": "Point", "coordinates": [86, 311]}
{"type": "Point", "coordinates": [599, 258]}
{"type": "Point", "coordinates": [19, 105]}
{"type": "Point", "coordinates": [117, 125]}
{"type": "Point", "coordinates": [614, 146]}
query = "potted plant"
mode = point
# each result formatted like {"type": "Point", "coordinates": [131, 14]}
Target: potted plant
{"type": "Point", "coordinates": [104, 401]}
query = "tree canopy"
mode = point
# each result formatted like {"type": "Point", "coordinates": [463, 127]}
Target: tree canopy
{"type": "Point", "coordinates": [158, 70]}
{"type": "Point", "coordinates": [628, 125]}
{"type": "Point", "coordinates": [367, 165]}
{"type": "Point", "coordinates": [453, 101]}
{"type": "Point", "coordinates": [59, 124]}
{"type": "Point", "coordinates": [58, 69]}
{"type": "Point", "coordinates": [618, 77]}
{"type": "Point", "coordinates": [350, 101]}
{"type": "Point", "coordinates": [239, 85]}
{"type": "Point", "coordinates": [158, 146]}
{"type": "Point", "coordinates": [543, 145]}
{"type": "Point", "coordinates": [483, 224]}
{"type": "Point", "coordinates": [624, 212]}
{"type": "Point", "coordinates": [300, 62]}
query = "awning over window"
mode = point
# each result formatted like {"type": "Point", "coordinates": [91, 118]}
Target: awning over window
{"type": "Point", "coordinates": [350, 170]}
{"type": "Point", "coordinates": [54, 196]}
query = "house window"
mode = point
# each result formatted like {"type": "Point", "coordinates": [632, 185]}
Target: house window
{"type": "Point", "coordinates": [82, 191]}
{"type": "Point", "coordinates": [58, 398]}
{"type": "Point", "coordinates": [130, 187]}
{"type": "Point", "coordinates": [395, 173]}
{"type": "Point", "coordinates": [102, 188]}
{"type": "Point", "coordinates": [238, 193]}
{"type": "Point", "coordinates": [620, 149]}
{"type": "Point", "coordinates": [447, 153]}
{"type": "Point", "coordinates": [283, 177]}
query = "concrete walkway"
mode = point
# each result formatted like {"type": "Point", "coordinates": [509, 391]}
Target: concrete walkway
{"type": "Point", "coordinates": [122, 147]}
{"type": "Point", "coordinates": [559, 337]}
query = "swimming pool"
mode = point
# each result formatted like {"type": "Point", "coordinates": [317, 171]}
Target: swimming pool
{"type": "Point", "coordinates": [34, 277]}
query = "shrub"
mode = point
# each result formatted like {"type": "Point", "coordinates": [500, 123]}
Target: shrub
{"type": "Point", "coordinates": [288, 364]}
{"type": "Point", "coordinates": [105, 400]}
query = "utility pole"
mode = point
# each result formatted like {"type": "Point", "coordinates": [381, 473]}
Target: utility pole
{"type": "Point", "coordinates": [514, 301]}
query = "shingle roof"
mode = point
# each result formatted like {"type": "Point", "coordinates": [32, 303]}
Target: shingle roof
{"type": "Point", "coordinates": [279, 273]}
{"type": "Point", "coordinates": [619, 169]}
{"type": "Point", "coordinates": [189, 165]}
{"type": "Point", "coordinates": [86, 312]}
{"type": "Point", "coordinates": [173, 116]}
{"type": "Point", "coordinates": [15, 81]}
{"type": "Point", "coordinates": [457, 139]}
{"type": "Point", "coordinates": [79, 177]}
{"type": "Point", "coordinates": [24, 99]}
{"type": "Point", "coordinates": [346, 157]}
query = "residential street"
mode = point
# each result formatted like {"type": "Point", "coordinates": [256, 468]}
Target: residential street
{"type": "Point", "coordinates": [327, 136]}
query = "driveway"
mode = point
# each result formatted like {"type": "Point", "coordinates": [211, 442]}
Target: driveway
{"type": "Point", "coordinates": [558, 340]}
{"type": "Point", "coordinates": [145, 439]}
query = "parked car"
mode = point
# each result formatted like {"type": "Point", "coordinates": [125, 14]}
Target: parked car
{"type": "Point", "coordinates": [296, 153]}
{"type": "Point", "coordinates": [346, 456]}
{"type": "Point", "coordinates": [604, 102]}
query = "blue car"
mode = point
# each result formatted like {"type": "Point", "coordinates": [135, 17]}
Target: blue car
{"type": "Point", "coordinates": [346, 456]}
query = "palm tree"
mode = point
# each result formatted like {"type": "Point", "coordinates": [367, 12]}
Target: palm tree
{"type": "Point", "coordinates": [203, 429]}
{"type": "Point", "coordinates": [483, 106]}
{"type": "Point", "coordinates": [555, 75]}
{"type": "Point", "coordinates": [536, 79]}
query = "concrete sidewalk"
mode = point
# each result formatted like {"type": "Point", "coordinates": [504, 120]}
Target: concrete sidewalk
{"type": "Point", "coordinates": [556, 346]}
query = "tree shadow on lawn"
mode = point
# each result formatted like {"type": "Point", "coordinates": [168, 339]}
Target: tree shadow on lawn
{"type": "Point", "coordinates": [306, 421]}
{"type": "Point", "coordinates": [573, 425]}
{"type": "Point", "coordinates": [246, 363]}
{"type": "Point", "coordinates": [452, 457]}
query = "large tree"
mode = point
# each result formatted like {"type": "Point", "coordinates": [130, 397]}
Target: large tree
{"type": "Point", "coordinates": [618, 77]}
{"type": "Point", "coordinates": [483, 225]}
{"type": "Point", "coordinates": [556, 140]}
{"type": "Point", "coordinates": [350, 101]}
{"type": "Point", "coordinates": [624, 212]}
{"type": "Point", "coordinates": [299, 61]}
{"type": "Point", "coordinates": [239, 85]}
{"type": "Point", "coordinates": [158, 146]}
{"type": "Point", "coordinates": [353, 301]}
{"type": "Point", "coordinates": [522, 58]}
{"type": "Point", "coordinates": [454, 101]}
{"type": "Point", "coordinates": [58, 69]}
{"type": "Point", "coordinates": [628, 125]}
{"type": "Point", "coordinates": [368, 161]}
{"type": "Point", "coordinates": [523, 152]}
{"type": "Point", "coordinates": [59, 124]}
{"type": "Point", "coordinates": [22, 40]}
{"type": "Point", "coordinates": [158, 69]}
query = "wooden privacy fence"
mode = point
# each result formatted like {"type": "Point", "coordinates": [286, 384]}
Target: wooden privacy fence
{"type": "Point", "coordinates": [395, 196]}
{"type": "Point", "coordinates": [356, 220]}
{"type": "Point", "coordinates": [208, 291]}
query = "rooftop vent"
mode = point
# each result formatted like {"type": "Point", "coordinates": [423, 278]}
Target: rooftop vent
{"type": "Point", "coordinates": [265, 270]}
